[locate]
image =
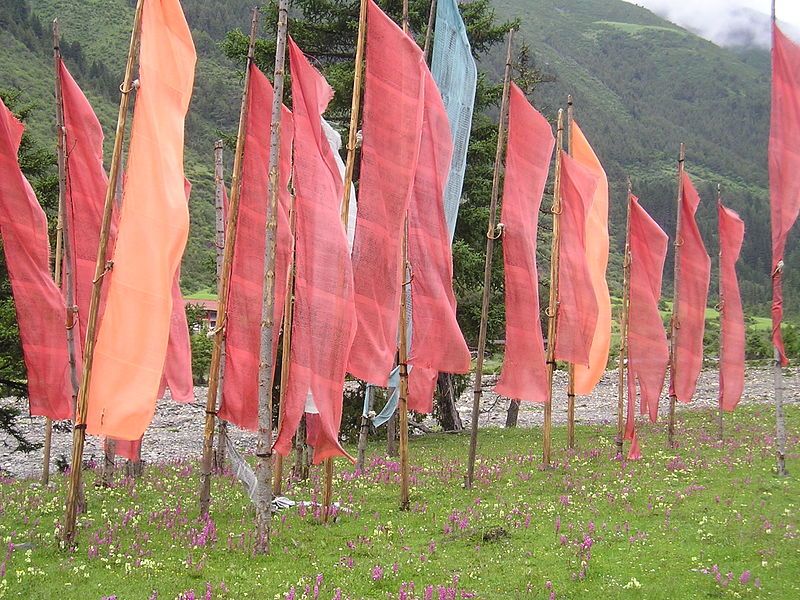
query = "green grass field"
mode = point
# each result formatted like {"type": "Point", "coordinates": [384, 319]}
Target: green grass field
{"type": "Point", "coordinates": [704, 521]}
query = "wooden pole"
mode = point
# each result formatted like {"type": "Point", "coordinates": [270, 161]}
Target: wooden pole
{"type": "Point", "coordinates": [720, 422]}
{"type": "Point", "coordinates": [552, 308]}
{"type": "Point", "coordinates": [79, 430]}
{"type": "Point", "coordinates": [674, 324]}
{"type": "Point", "coordinates": [219, 206]}
{"type": "Point", "coordinates": [402, 355]}
{"type": "Point", "coordinates": [571, 368]}
{"type": "Point", "coordinates": [350, 166]}
{"type": "Point", "coordinates": [491, 236]}
{"type": "Point", "coordinates": [286, 345]}
{"type": "Point", "coordinates": [623, 326]}
{"type": "Point", "coordinates": [429, 31]}
{"type": "Point", "coordinates": [777, 373]}
{"type": "Point", "coordinates": [355, 109]}
{"type": "Point", "coordinates": [224, 283]}
{"type": "Point", "coordinates": [265, 366]}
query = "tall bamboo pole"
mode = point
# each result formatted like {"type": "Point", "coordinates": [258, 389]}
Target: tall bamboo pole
{"type": "Point", "coordinates": [429, 31]}
{"type": "Point", "coordinates": [224, 284]}
{"type": "Point", "coordinates": [552, 308]}
{"type": "Point", "coordinates": [720, 423]}
{"type": "Point", "coordinates": [402, 354]}
{"type": "Point", "coordinates": [265, 366]}
{"type": "Point", "coordinates": [491, 235]}
{"type": "Point", "coordinates": [79, 430]}
{"type": "Point", "coordinates": [286, 345]}
{"type": "Point", "coordinates": [571, 368]}
{"type": "Point", "coordinates": [355, 109]}
{"type": "Point", "coordinates": [674, 324]}
{"type": "Point", "coordinates": [219, 207]}
{"type": "Point", "coordinates": [777, 374]}
{"type": "Point", "coordinates": [352, 137]}
{"type": "Point", "coordinates": [623, 325]}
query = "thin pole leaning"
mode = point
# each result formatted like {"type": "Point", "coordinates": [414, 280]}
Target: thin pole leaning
{"type": "Point", "coordinates": [491, 235]}
{"type": "Point", "coordinates": [79, 430]}
{"type": "Point", "coordinates": [265, 366]}
{"type": "Point", "coordinates": [623, 326]}
{"type": "Point", "coordinates": [286, 346]}
{"type": "Point", "coordinates": [224, 284]}
{"type": "Point", "coordinates": [777, 374]}
{"type": "Point", "coordinates": [355, 109]}
{"type": "Point", "coordinates": [674, 323]}
{"type": "Point", "coordinates": [402, 354]}
{"type": "Point", "coordinates": [219, 208]}
{"type": "Point", "coordinates": [552, 307]}
{"type": "Point", "coordinates": [571, 367]}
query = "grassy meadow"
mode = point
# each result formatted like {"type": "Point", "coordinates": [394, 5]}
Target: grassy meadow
{"type": "Point", "coordinates": [705, 520]}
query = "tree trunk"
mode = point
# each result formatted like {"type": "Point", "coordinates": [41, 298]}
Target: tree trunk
{"type": "Point", "coordinates": [512, 414]}
{"type": "Point", "coordinates": [449, 418]}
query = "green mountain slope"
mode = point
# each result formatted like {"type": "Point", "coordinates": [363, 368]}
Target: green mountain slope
{"type": "Point", "coordinates": [642, 85]}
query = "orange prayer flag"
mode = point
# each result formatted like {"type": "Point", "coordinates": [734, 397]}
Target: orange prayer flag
{"type": "Point", "coordinates": [154, 224]}
{"type": "Point", "coordinates": [597, 262]}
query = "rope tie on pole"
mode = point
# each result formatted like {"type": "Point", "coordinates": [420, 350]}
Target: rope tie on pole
{"type": "Point", "coordinates": [134, 86]}
{"type": "Point", "coordinates": [499, 229]}
{"type": "Point", "coordinates": [109, 266]}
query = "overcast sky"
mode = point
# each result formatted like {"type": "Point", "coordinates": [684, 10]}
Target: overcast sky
{"type": "Point", "coordinates": [725, 21]}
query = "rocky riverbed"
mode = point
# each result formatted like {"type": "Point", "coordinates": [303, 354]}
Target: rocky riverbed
{"type": "Point", "coordinates": [177, 429]}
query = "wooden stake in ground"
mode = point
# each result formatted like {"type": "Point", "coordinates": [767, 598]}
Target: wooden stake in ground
{"type": "Point", "coordinates": [288, 311]}
{"type": "Point", "coordinates": [623, 325]}
{"type": "Point", "coordinates": [224, 283]}
{"type": "Point", "coordinates": [571, 368]}
{"type": "Point", "coordinates": [491, 235]}
{"type": "Point", "coordinates": [265, 366]}
{"type": "Point", "coordinates": [552, 307]}
{"type": "Point", "coordinates": [219, 207]}
{"type": "Point", "coordinates": [79, 430]}
{"type": "Point", "coordinates": [674, 324]}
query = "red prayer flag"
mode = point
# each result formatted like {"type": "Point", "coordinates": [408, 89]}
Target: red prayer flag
{"type": "Point", "coordinates": [131, 450]}
{"type": "Point", "coordinates": [784, 164]}
{"type": "Point", "coordinates": [154, 224]}
{"type": "Point", "coordinates": [732, 340]}
{"type": "Point", "coordinates": [86, 188]}
{"type": "Point", "coordinates": [41, 314]}
{"type": "Point", "coordinates": [648, 351]}
{"type": "Point", "coordinates": [178, 364]}
{"type": "Point", "coordinates": [324, 321]}
{"type": "Point", "coordinates": [577, 302]}
{"type": "Point", "coordinates": [530, 147]}
{"type": "Point", "coordinates": [437, 344]}
{"type": "Point", "coordinates": [694, 273]}
{"type": "Point", "coordinates": [245, 297]}
{"type": "Point", "coordinates": [392, 125]}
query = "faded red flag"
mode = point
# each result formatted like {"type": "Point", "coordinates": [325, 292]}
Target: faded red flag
{"type": "Point", "coordinates": [648, 350]}
{"type": "Point", "coordinates": [437, 344]}
{"type": "Point", "coordinates": [324, 321]}
{"type": "Point", "coordinates": [41, 315]}
{"type": "Point", "coordinates": [243, 320]}
{"type": "Point", "coordinates": [528, 154]}
{"type": "Point", "coordinates": [732, 331]}
{"type": "Point", "coordinates": [392, 124]}
{"type": "Point", "coordinates": [86, 188]}
{"type": "Point", "coordinates": [694, 273]}
{"type": "Point", "coordinates": [577, 302]}
{"type": "Point", "coordinates": [784, 164]}
{"type": "Point", "coordinates": [154, 224]}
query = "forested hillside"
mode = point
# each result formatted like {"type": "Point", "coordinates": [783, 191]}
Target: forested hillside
{"type": "Point", "coordinates": [641, 86]}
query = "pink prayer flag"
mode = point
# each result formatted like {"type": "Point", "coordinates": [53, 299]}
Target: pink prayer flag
{"type": "Point", "coordinates": [732, 334]}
